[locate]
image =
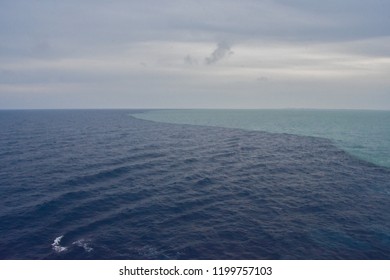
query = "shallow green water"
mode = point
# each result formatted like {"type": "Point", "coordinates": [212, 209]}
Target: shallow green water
{"type": "Point", "coordinates": [362, 133]}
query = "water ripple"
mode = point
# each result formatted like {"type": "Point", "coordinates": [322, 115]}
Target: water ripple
{"type": "Point", "coordinates": [147, 190]}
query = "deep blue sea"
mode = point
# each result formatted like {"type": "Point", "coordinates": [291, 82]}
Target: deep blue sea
{"type": "Point", "coordinates": [103, 184]}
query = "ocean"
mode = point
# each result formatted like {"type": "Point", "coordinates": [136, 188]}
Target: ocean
{"type": "Point", "coordinates": [194, 184]}
{"type": "Point", "coordinates": [362, 133]}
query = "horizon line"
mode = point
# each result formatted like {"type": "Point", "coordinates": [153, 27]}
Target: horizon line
{"type": "Point", "coordinates": [196, 108]}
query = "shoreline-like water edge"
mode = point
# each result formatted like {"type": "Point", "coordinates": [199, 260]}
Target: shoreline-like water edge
{"type": "Point", "coordinates": [349, 136]}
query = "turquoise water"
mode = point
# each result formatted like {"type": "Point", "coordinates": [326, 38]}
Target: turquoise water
{"type": "Point", "coordinates": [362, 133]}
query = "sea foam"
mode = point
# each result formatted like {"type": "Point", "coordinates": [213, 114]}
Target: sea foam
{"type": "Point", "coordinates": [83, 244]}
{"type": "Point", "coordinates": [56, 245]}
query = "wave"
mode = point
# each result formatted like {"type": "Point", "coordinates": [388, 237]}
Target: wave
{"type": "Point", "coordinates": [56, 245]}
{"type": "Point", "coordinates": [81, 243]}
{"type": "Point", "coordinates": [149, 190]}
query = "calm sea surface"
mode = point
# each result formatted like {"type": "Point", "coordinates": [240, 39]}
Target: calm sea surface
{"type": "Point", "coordinates": [362, 133]}
{"type": "Point", "coordinates": [102, 184]}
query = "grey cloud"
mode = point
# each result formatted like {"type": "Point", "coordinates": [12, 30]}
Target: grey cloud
{"type": "Point", "coordinates": [262, 79]}
{"type": "Point", "coordinates": [222, 50]}
{"type": "Point", "coordinates": [79, 27]}
{"type": "Point", "coordinates": [89, 31]}
{"type": "Point", "coordinates": [189, 60]}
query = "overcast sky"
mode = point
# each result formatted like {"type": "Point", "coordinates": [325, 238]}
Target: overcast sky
{"type": "Point", "coordinates": [195, 54]}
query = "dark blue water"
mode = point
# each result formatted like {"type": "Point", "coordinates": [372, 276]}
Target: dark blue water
{"type": "Point", "coordinates": [101, 184]}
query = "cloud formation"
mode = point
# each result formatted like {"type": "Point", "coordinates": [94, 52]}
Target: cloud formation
{"type": "Point", "coordinates": [94, 53]}
{"type": "Point", "coordinates": [222, 50]}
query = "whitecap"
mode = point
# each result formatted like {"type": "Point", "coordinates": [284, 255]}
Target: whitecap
{"type": "Point", "coordinates": [56, 245]}
{"type": "Point", "coordinates": [84, 244]}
